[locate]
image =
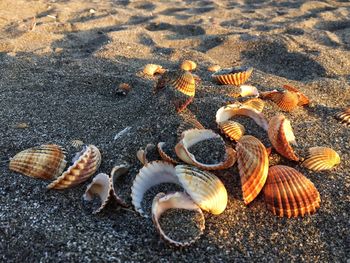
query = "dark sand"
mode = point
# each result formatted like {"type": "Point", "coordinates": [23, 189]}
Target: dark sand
{"type": "Point", "coordinates": [60, 77]}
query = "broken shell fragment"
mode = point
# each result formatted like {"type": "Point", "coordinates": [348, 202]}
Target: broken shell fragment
{"type": "Point", "coordinates": [150, 175]}
{"type": "Point", "coordinates": [46, 161]}
{"type": "Point", "coordinates": [282, 137]}
{"type": "Point", "coordinates": [233, 130]}
{"type": "Point", "coordinates": [214, 68]}
{"type": "Point", "coordinates": [289, 193]}
{"type": "Point", "coordinates": [255, 103]}
{"type": "Point", "coordinates": [235, 76]}
{"type": "Point", "coordinates": [194, 136]}
{"type": "Point", "coordinates": [321, 158]}
{"type": "Point", "coordinates": [344, 116]}
{"type": "Point", "coordinates": [206, 189]}
{"type": "Point", "coordinates": [85, 164]}
{"type": "Point", "coordinates": [177, 200]}
{"type": "Point", "coordinates": [253, 165]}
{"type": "Point", "coordinates": [143, 155]}
{"type": "Point", "coordinates": [151, 69]}
{"type": "Point", "coordinates": [247, 90]}
{"type": "Point", "coordinates": [188, 65]}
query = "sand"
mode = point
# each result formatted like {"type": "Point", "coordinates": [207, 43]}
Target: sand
{"type": "Point", "coordinates": [61, 63]}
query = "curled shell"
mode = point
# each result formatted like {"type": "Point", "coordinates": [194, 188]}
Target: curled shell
{"type": "Point", "coordinates": [206, 189]}
{"type": "Point", "coordinates": [282, 137]}
{"type": "Point", "coordinates": [253, 165]}
{"type": "Point", "coordinates": [321, 158]}
{"type": "Point", "coordinates": [85, 164]}
{"type": "Point", "coordinates": [191, 137]}
{"type": "Point", "coordinates": [214, 68]}
{"type": "Point", "coordinates": [151, 174]}
{"type": "Point", "coordinates": [151, 69]}
{"type": "Point", "coordinates": [188, 65]}
{"type": "Point", "coordinates": [289, 193]}
{"type": "Point", "coordinates": [344, 116]}
{"type": "Point", "coordinates": [235, 76]}
{"type": "Point", "coordinates": [247, 90]}
{"type": "Point", "coordinates": [46, 161]}
{"type": "Point", "coordinates": [180, 80]}
{"type": "Point", "coordinates": [166, 156]}
{"type": "Point", "coordinates": [233, 130]}
{"type": "Point", "coordinates": [163, 202]}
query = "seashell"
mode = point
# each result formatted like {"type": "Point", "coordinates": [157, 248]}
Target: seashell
{"type": "Point", "coordinates": [214, 68]}
{"type": "Point", "coordinates": [238, 109]}
{"type": "Point", "coordinates": [233, 130]}
{"type": "Point", "coordinates": [177, 200]}
{"type": "Point", "coordinates": [253, 165]}
{"type": "Point", "coordinates": [285, 100]}
{"type": "Point", "coordinates": [151, 69]}
{"type": "Point", "coordinates": [303, 100]}
{"type": "Point", "coordinates": [235, 76]}
{"type": "Point", "coordinates": [255, 103]}
{"type": "Point", "coordinates": [123, 89]}
{"type": "Point", "coordinates": [182, 81]}
{"type": "Point", "coordinates": [116, 172]}
{"type": "Point", "coordinates": [289, 193]}
{"type": "Point", "coordinates": [344, 116]}
{"type": "Point", "coordinates": [46, 161]}
{"type": "Point", "coordinates": [193, 136]}
{"type": "Point", "coordinates": [85, 164]}
{"type": "Point", "coordinates": [165, 155]}
{"type": "Point", "coordinates": [151, 174]}
{"type": "Point", "coordinates": [282, 137]}
{"type": "Point", "coordinates": [181, 102]}
{"type": "Point", "coordinates": [321, 158]}
{"type": "Point", "coordinates": [77, 143]}
{"type": "Point", "coordinates": [188, 65]}
{"type": "Point", "coordinates": [206, 189]}
{"type": "Point", "coordinates": [143, 153]}
{"type": "Point", "coordinates": [189, 121]}
{"type": "Point", "coordinates": [247, 90]}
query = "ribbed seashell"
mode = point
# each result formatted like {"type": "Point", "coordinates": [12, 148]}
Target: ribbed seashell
{"type": "Point", "coordinates": [180, 80]}
{"type": "Point", "coordinates": [165, 155]}
{"type": "Point", "coordinates": [344, 116]}
{"type": "Point", "coordinates": [247, 90]}
{"type": "Point", "coordinates": [150, 175]}
{"type": "Point", "coordinates": [214, 68]}
{"type": "Point", "coordinates": [233, 130]}
{"type": "Point", "coordinates": [206, 189]}
{"type": "Point", "coordinates": [142, 153]}
{"type": "Point", "coordinates": [282, 137]}
{"type": "Point", "coordinates": [303, 100]}
{"type": "Point", "coordinates": [253, 165]}
{"type": "Point", "coordinates": [238, 109]}
{"type": "Point", "coordinates": [255, 103]}
{"type": "Point", "coordinates": [189, 121]}
{"type": "Point", "coordinates": [45, 161]}
{"type": "Point", "coordinates": [321, 158]}
{"type": "Point", "coordinates": [85, 165]}
{"type": "Point", "coordinates": [288, 193]}
{"type": "Point", "coordinates": [151, 69]}
{"type": "Point", "coordinates": [177, 200]}
{"type": "Point", "coordinates": [235, 76]}
{"type": "Point", "coordinates": [191, 137]}
{"type": "Point", "coordinates": [188, 65]}
{"type": "Point", "coordinates": [285, 100]}
{"type": "Point", "coordinates": [76, 143]}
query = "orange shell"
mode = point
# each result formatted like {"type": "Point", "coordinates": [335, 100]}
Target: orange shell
{"type": "Point", "coordinates": [182, 81]}
{"type": "Point", "coordinates": [233, 130]}
{"type": "Point", "coordinates": [253, 165]}
{"type": "Point", "coordinates": [151, 69]}
{"type": "Point", "coordinates": [344, 116]}
{"type": "Point", "coordinates": [286, 101]}
{"type": "Point", "coordinates": [188, 65]}
{"type": "Point", "coordinates": [281, 137]}
{"type": "Point", "coordinates": [45, 161]}
{"type": "Point", "coordinates": [86, 164]}
{"type": "Point", "coordinates": [235, 76]}
{"type": "Point", "coordinates": [289, 193]}
{"type": "Point", "coordinates": [255, 103]}
{"type": "Point", "coordinates": [214, 68]}
{"type": "Point", "coordinates": [303, 100]}
{"type": "Point", "coordinates": [321, 158]}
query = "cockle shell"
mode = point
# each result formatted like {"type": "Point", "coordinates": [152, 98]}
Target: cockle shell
{"type": "Point", "coordinates": [180, 80]}
{"type": "Point", "coordinates": [233, 130]}
{"type": "Point", "coordinates": [46, 161]}
{"type": "Point", "coordinates": [282, 137]}
{"type": "Point", "coordinates": [151, 69]}
{"type": "Point", "coordinates": [85, 164]}
{"type": "Point", "coordinates": [206, 189]}
{"type": "Point", "coordinates": [247, 90]}
{"type": "Point", "coordinates": [255, 103]}
{"type": "Point", "coordinates": [214, 68]}
{"type": "Point", "coordinates": [344, 116]}
{"type": "Point", "coordinates": [235, 76]}
{"type": "Point", "coordinates": [188, 65]}
{"type": "Point", "coordinates": [189, 121]}
{"type": "Point", "coordinates": [321, 158]}
{"type": "Point", "coordinates": [177, 200]}
{"type": "Point", "coordinates": [143, 153]}
{"type": "Point", "coordinates": [253, 165]}
{"type": "Point", "coordinates": [285, 100]}
{"type": "Point", "coordinates": [239, 109]}
{"type": "Point", "coordinates": [289, 193]}
{"type": "Point", "coordinates": [150, 175]}
{"type": "Point", "coordinates": [193, 136]}
{"type": "Point", "coordinates": [165, 155]}
{"type": "Point", "coordinates": [303, 99]}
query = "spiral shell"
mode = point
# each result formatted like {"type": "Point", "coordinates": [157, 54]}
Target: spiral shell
{"type": "Point", "coordinates": [206, 189]}
{"type": "Point", "coordinates": [289, 193]}
{"type": "Point", "coordinates": [150, 175]}
{"type": "Point", "coordinates": [214, 68]}
{"type": "Point", "coordinates": [233, 130]}
{"type": "Point", "coordinates": [188, 65]}
{"type": "Point", "coordinates": [282, 137]}
{"type": "Point", "coordinates": [151, 69]}
{"type": "Point", "coordinates": [321, 158]}
{"type": "Point", "coordinates": [163, 202]}
{"type": "Point", "coordinates": [46, 161]}
{"type": "Point", "coordinates": [191, 137]}
{"type": "Point", "coordinates": [235, 76]}
{"type": "Point", "coordinates": [253, 165]}
{"type": "Point", "coordinates": [344, 116]}
{"type": "Point", "coordinates": [85, 164]}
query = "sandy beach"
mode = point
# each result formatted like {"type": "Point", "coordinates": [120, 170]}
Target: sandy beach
{"type": "Point", "coordinates": [61, 62]}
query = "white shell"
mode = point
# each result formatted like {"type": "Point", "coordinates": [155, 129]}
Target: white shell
{"type": "Point", "coordinates": [247, 90]}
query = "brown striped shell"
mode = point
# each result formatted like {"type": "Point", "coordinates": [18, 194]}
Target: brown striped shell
{"type": "Point", "coordinates": [46, 161]}
{"type": "Point", "coordinates": [282, 137]}
{"type": "Point", "coordinates": [235, 76]}
{"type": "Point", "coordinates": [344, 116]}
{"type": "Point", "coordinates": [151, 69]}
{"type": "Point", "coordinates": [255, 103]}
{"type": "Point", "coordinates": [205, 188]}
{"type": "Point", "coordinates": [288, 193]}
{"type": "Point", "coordinates": [233, 130]}
{"type": "Point", "coordinates": [180, 80]}
{"type": "Point", "coordinates": [253, 165]}
{"type": "Point", "coordinates": [188, 65]}
{"type": "Point", "coordinates": [321, 158]}
{"type": "Point", "coordinates": [85, 165]}
{"type": "Point", "coordinates": [285, 100]}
